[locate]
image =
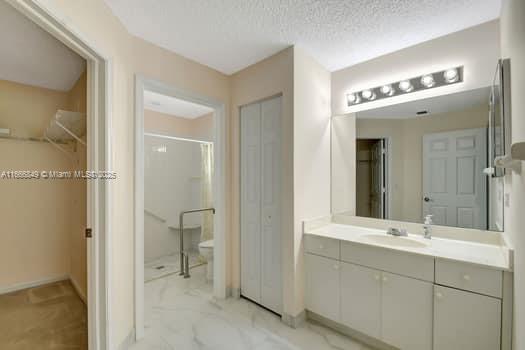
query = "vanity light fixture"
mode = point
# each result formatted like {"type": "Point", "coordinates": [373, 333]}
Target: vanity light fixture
{"type": "Point", "coordinates": [353, 99]}
{"type": "Point", "coordinates": [451, 75]}
{"type": "Point", "coordinates": [369, 95]}
{"type": "Point", "coordinates": [427, 81]}
{"type": "Point", "coordinates": [406, 86]}
{"type": "Point", "coordinates": [387, 90]}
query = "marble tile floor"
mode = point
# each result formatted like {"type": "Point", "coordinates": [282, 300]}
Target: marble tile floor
{"type": "Point", "coordinates": [46, 317]}
{"type": "Point", "coordinates": [168, 265]}
{"type": "Point", "coordinates": [182, 314]}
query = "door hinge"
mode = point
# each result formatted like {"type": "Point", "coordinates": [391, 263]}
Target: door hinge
{"type": "Point", "coordinates": [89, 233]}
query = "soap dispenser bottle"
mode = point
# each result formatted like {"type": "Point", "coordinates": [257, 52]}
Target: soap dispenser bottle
{"type": "Point", "coordinates": [427, 227]}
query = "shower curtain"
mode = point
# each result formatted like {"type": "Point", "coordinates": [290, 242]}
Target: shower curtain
{"type": "Point", "coordinates": [206, 190]}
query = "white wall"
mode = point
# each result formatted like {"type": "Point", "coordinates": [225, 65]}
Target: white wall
{"type": "Point", "coordinates": [513, 47]}
{"type": "Point", "coordinates": [311, 152]}
{"type": "Point", "coordinates": [476, 48]}
{"type": "Point", "coordinates": [344, 164]}
{"type": "Point", "coordinates": [171, 184]}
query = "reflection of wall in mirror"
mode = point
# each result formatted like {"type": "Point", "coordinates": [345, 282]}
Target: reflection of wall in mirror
{"type": "Point", "coordinates": [406, 152]}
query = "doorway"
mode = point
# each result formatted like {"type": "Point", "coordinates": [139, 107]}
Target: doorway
{"type": "Point", "coordinates": [96, 154]}
{"type": "Point", "coordinates": [261, 169]}
{"type": "Point", "coordinates": [179, 167]}
{"type": "Point", "coordinates": [372, 178]}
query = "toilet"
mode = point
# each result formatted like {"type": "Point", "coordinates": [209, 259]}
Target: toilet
{"type": "Point", "coordinates": [206, 250]}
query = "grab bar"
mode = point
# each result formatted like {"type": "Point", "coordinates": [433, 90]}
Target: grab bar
{"type": "Point", "coordinates": [184, 258]}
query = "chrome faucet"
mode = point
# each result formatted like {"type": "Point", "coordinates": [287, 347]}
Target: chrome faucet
{"type": "Point", "coordinates": [427, 227]}
{"type": "Point", "coordinates": [398, 232]}
{"type": "Point", "coordinates": [184, 258]}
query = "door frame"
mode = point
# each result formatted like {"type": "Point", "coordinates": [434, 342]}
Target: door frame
{"type": "Point", "coordinates": [99, 74]}
{"type": "Point", "coordinates": [143, 83]}
{"type": "Point", "coordinates": [389, 173]}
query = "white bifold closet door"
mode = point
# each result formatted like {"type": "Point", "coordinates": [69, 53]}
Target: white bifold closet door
{"type": "Point", "coordinates": [261, 276]}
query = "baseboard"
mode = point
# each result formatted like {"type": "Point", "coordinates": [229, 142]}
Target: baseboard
{"type": "Point", "coordinates": [293, 321]}
{"type": "Point", "coordinates": [32, 284]}
{"type": "Point", "coordinates": [233, 292]}
{"type": "Point", "coordinates": [78, 290]}
{"type": "Point", "coordinates": [128, 341]}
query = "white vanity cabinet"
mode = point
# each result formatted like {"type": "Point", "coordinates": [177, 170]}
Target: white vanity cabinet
{"type": "Point", "coordinates": [323, 286]}
{"type": "Point", "coordinates": [465, 320]}
{"type": "Point", "coordinates": [405, 300]}
{"type": "Point", "coordinates": [407, 312]}
{"type": "Point", "coordinates": [386, 306]}
{"type": "Point", "coordinates": [361, 299]}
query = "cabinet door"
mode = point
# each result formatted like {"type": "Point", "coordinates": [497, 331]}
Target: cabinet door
{"type": "Point", "coordinates": [271, 276]}
{"type": "Point", "coordinates": [407, 312]}
{"type": "Point", "coordinates": [361, 299]}
{"type": "Point", "coordinates": [251, 202]}
{"type": "Point", "coordinates": [322, 286]}
{"type": "Point", "coordinates": [465, 321]}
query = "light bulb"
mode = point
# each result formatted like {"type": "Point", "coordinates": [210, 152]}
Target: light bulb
{"type": "Point", "coordinates": [387, 90]}
{"type": "Point", "coordinates": [406, 86]}
{"type": "Point", "coordinates": [352, 99]}
{"type": "Point", "coordinates": [451, 75]}
{"type": "Point", "coordinates": [428, 80]}
{"type": "Point", "coordinates": [368, 94]}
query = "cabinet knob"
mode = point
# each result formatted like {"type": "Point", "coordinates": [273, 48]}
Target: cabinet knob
{"type": "Point", "coordinates": [336, 267]}
{"type": "Point", "coordinates": [466, 277]}
{"type": "Point", "coordinates": [321, 246]}
{"type": "Point", "coordinates": [439, 295]}
{"type": "Point", "coordinates": [385, 279]}
{"type": "Point", "coordinates": [376, 277]}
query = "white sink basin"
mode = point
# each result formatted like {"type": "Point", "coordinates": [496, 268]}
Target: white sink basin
{"type": "Point", "coordinates": [394, 241]}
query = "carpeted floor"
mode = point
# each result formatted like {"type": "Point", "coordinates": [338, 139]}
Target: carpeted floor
{"type": "Point", "coordinates": [47, 317]}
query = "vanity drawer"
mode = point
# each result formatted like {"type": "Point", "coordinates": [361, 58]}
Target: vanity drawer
{"type": "Point", "coordinates": [401, 263]}
{"type": "Point", "coordinates": [469, 277]}
{"type": "Point", "coordinates": [322, 246]}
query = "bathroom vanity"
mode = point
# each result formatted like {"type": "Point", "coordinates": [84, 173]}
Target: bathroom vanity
{"type": "Point", "coordinates": [408, 292]}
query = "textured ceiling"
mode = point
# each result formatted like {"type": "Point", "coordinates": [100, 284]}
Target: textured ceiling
{"type": "Point", "coordinates": [173, 106]}
{"type": "Point", "coordinates": [31, 56]}
{"type": "Point", "coordinates": [229, 35]}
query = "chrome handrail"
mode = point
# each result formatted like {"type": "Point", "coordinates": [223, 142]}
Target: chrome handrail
{"type": "Point", "coordinates": [184, 258]}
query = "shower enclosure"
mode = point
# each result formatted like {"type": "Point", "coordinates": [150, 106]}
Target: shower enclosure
{"type": "Point", "coordinates": [177, 177]}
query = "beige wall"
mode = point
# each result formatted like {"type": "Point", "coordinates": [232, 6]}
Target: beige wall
{"type": "Point", "coordinates": [35, 235]}
{"type": "Point", "coordinates": [26, 110]}
{"type": "Point", "coordinates": [513, 47]}
{"type": "Point", "coordinates": [43, 220]}
{"type": "Point", "coordinates": [343, 164]}
{"type": "Point", "coordinates": [311, 152]}
{"type": "Point", "coordinates": [129, 56]}
{"type": "Point", "coordinates": [200, 128]}
{"type": "Point", "coordinates": [265, 79]}
{"type": "Point", "coordinates": [305, 128]}
{"type": "Point", "coordinates": [406, 137]}
{"type": "Point", "coordinates": [475, 48]}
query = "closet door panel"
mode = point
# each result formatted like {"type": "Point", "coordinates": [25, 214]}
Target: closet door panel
{"type": "Point", "coordinates": [251, 202]}
{"type": "Point", "coordinates": [271, 279]}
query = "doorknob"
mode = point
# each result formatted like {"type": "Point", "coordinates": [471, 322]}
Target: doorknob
{"type": "Point", "coordinates": [427, 199]}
